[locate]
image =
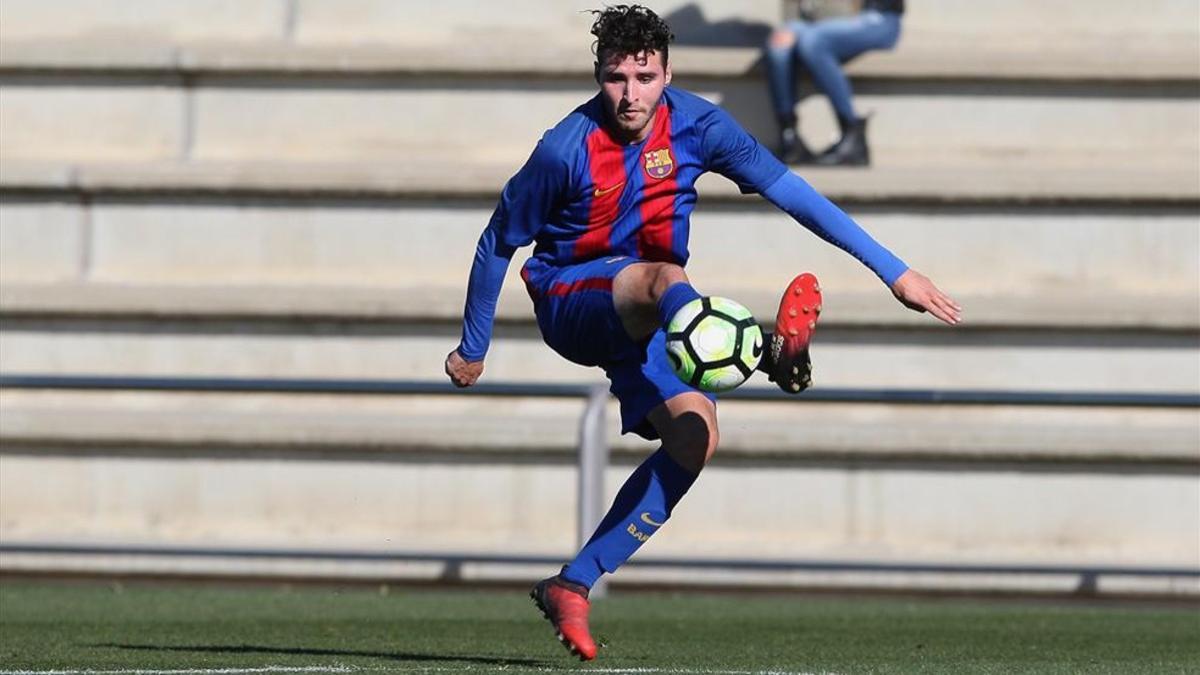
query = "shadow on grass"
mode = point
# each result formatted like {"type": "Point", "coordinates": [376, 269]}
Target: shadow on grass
{"type": "Point", "coordinates": [305, 651]}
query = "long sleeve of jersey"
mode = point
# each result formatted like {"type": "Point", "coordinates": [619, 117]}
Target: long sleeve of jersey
{"type": "Point", "coordinates": [525, 205]}
{"type": "Point", "coordinates": [797, 198]}
{"type": "Point", "coordinates": [483, 290]}
{"type": "Point", "coordinates": [735, 154]}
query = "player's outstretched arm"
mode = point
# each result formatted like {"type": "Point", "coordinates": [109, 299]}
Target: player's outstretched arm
{"type": "Point", "coordinates": [731, 151]}
{"type": "Point", "coordinates": [918, 293]}
{"type": "Point", "coordinates": [463, 373]}
{"type": "Point", "coordinates": [796, 197]}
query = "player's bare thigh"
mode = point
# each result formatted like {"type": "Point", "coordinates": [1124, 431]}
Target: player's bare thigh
{"type": "Point", "coordinates": [687, 424]}
{"type": "Point", "coordinates": [636, 290]}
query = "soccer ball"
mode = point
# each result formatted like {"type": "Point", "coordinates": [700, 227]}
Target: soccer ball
{"type": "Point", "coordinates": [714, 344]}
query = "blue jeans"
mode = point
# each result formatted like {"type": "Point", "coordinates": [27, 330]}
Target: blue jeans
{"type": "Point", "coordinates": [820, 48]}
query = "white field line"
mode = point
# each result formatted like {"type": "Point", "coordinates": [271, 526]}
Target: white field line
{"type": "Point", "coordinates": [285, 669]}
{"type": "Point", "coordinates": [191, 671]}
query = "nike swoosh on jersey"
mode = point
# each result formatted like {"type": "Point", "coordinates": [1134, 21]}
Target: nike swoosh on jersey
{"type": "Point", "coordinates": [648, 520]}
{"type": "Point", "coordinates": [599, 192]}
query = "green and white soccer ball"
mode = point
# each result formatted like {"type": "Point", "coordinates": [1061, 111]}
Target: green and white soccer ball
{"type": "Point", "coordinates": [714, 344]}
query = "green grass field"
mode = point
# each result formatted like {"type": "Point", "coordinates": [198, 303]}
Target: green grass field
{"type": "Point", "coordinates": [207, 629]}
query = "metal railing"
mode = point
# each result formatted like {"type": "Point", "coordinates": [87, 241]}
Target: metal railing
{"type": "Point", "coordinates": [817, 395]}
{"type": "Point", "coordinates": [593, 459]}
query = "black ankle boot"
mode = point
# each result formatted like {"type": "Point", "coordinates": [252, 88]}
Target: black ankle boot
{"type": "Point", "coordinates": [851, 149]}
{"type": "Point", "coordinates": [792, 149]}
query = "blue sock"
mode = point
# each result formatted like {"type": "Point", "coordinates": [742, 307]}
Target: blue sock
{"type": "Point", "coordinates": [677, 295]}
{"type": "Point", "coordinates": [642, 505]}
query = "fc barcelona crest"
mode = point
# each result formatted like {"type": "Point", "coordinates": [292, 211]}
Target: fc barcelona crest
{"type": "Point", "coordinates": [659, 163]}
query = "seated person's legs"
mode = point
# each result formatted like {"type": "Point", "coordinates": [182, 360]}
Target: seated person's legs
{"type": "Point", "coordinates": [780, 56]}
{"type": "Point", "coordinates": [826, 45]}
{"type": "Point", "coordinates": [822, 50]}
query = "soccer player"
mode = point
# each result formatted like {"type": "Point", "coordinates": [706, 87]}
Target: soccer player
{"type": "Point", "coordinates": [605, 197]}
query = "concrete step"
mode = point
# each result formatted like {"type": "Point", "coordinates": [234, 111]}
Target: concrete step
{"type": "Point", "coordinates": [380, 257]}
{"type": "Point", "coordinates": [147, 118]}
{"type": "Point", "coordinates": [845, 355]}
{"type": "Point", "coordinates": [1106, 40]}
{"type": "Point", "coordinates": [807, 514]}
{"type": "Point", "coordinates": [472, 474]}
{"type": "Point", "coordinates": [928, 57]}
{"type": "Point", "coordinates": [789, 431]}
{"type": "Point", "coordinates": [313, 87]}
{"type": "Point", "coordinates": [417, 303]}
{"type": "Point", "coordinates": [999, 183]}
{"type": "Point", "coordinates": [1115, 178]}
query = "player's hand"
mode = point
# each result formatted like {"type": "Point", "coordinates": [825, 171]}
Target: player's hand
{"type": "Point", "coordinates": [918, 293]}
{"type": "Point", "coordinates": [463, 373]}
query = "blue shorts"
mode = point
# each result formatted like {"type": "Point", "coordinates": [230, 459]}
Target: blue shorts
{"type": "Point", "coordinates": [575, 312]}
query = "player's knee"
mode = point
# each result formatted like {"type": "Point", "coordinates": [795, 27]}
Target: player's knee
{"type": "Point", "coordinates": [692, 439]}
{"type": "Point", "coordinates": [665, 275]}
{"type": "Point", "coordinates": [687, 424]}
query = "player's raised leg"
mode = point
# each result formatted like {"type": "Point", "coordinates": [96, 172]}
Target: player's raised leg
{"type": "Point", "coordinates": [647, 295]}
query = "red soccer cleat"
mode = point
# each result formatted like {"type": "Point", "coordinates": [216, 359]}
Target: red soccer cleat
{"type": "Point", "coordinates": [565, 606]}
{"type": "Point", "coordinates": [786, 362]}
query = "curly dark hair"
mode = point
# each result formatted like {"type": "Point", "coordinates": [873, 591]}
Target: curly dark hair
{"type": "Point", "coordinates": [629, 29]}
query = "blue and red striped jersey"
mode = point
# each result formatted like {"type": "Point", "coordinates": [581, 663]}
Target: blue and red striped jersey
{"type": "Point", "coordinates": [583, 195]}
